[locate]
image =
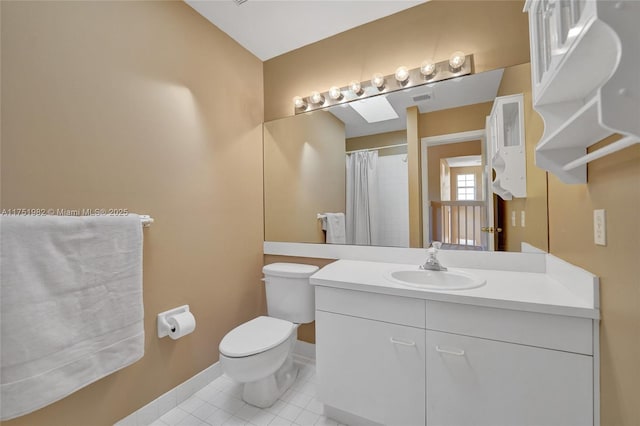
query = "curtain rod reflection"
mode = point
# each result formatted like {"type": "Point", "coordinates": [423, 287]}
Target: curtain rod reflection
{"type": "Point", "coordinates": [377, 148]}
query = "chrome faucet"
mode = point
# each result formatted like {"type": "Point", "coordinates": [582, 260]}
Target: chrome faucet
{"type": "Point", "coordinates": [432, 263]}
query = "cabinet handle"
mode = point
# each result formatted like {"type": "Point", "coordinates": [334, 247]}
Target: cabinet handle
{"type": "Point", "coordinates": [400, 342]}
{"type": "Point", "coordinates": [458, 352]}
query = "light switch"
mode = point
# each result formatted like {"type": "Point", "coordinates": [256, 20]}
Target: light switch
{"type": "Point", "coordinates": [522, 218]}
{"type": "Point", "coordinates": [600, 227]}
{"type": "Point", "coordinates": [513, 218]}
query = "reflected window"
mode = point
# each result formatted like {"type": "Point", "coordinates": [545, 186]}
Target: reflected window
{"type": "Point", "coordinates": [466, 187]}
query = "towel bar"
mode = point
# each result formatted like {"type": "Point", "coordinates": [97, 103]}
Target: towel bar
{"type": "Point", "coordinates": [146, 220]}
{"type": "Point", "coordinates": [606, 150]}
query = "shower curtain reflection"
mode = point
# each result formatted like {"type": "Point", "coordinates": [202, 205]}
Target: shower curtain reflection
{"type": "Point", "coordinates": [362, 198]}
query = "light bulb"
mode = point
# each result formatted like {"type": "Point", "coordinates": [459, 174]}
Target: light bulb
{"type": "Point", "coordinates": [377, 80]}
{"type": "Point", "coordinates": [355, 87]}
{"type": "Point", "coordinates": [402, 75]}
{"type": "Point", "coordinates": [316, 98]}
{"type": "Point", "coordinates": [456, 61]}
{"type": "Point", "coordinates": [427, 68]}
{"type": "Point", "coordinates": [299, 103]}
{"type": "Point", "coordinates": [335, 93]}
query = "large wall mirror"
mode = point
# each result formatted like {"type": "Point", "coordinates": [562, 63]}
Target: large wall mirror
{"type": "Point", "coordinates": [319, 162]}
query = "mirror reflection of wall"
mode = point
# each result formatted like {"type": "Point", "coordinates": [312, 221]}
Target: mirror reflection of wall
{"type": "Point", "coordinates": [304, 175]}
{"type": "Point", "coordinates": [444, 108]}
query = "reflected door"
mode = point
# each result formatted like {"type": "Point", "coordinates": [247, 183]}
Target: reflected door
{"type": "Point", "coordinates": [488, 229]}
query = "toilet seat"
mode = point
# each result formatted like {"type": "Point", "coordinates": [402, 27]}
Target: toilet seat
{"type": "Point", "coordinates": [255, 336]}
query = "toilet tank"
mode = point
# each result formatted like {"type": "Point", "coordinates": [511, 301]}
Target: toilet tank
{"type": "Point", "coordinates": [289, 294]}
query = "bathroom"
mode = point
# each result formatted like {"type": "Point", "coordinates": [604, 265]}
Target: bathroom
{"type": "Point", "coordinates": [147, 106]}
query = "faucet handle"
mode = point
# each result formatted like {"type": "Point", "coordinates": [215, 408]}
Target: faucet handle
{"type": "Point", "coordinates": [436, 245]}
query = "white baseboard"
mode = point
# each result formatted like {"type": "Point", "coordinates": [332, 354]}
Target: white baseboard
{"type": "Point", "coordinates": [304, 352]}
{"type": "Point", "coordinates": [171, 399]}
{"type": "Point", "coordinates": [345, 418]}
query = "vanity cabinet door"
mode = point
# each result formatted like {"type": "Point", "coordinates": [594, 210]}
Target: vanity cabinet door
{"type": "Point", "coordinates": [476, 382]}
{"type": "Point", "coordinates": [372, 369]}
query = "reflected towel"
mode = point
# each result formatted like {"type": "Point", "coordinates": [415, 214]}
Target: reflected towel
{"type": "Point", "coordinates": [336, 231]}
{"type": "Point", "coordinates": [71, 308]}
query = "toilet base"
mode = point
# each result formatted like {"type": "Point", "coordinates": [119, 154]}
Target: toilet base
{"type": "Point", "coordinates": [265, 392]}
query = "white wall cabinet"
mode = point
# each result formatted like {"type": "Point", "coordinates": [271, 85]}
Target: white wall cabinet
{"type": "Point", "coordinates": [507, 144]}
{"type": "Point", "coordinates": [403, 361]}
{"type": "Point", "coordinates": [585, 56]}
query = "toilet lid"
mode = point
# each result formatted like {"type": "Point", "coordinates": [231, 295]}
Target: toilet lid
{"type": "Point", "coordinates": [289, 270]}
{"type": "Point", "coordinates": [255, 336]}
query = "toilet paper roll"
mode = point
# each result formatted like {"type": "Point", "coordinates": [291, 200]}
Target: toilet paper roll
{"type": "Point", "coordinates": [181, 324]}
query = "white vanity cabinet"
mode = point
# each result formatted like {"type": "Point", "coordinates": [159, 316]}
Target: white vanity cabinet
{"type": "Point", "coordinates": [409, 361]}
{"type": "Point", "coordinates": [507, 368]}
{"type": "Point", "coordinates": [371, 359]}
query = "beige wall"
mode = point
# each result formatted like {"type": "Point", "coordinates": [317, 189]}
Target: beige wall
{"type": "Point", "coordinates": [414, 175]}
{"type": "Point", "coordinates": [496, 32]}
{"type": "Point", "coordinates": [517, 79]}
{"type": "Point", "coordinates": [614, 185]}
{"type": "Point", "coordinates": [454, 120]}
{"type": "Point", "coordinates": [304, 174]}
{"type": "Point", "coordinates": [118, 105]}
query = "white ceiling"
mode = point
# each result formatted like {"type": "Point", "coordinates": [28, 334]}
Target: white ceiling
{"type": "Point", "coordinates": [269, 28]}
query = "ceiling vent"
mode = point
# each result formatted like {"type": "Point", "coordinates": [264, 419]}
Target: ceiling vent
{"type": "Point", "coordinates": [421, 98]}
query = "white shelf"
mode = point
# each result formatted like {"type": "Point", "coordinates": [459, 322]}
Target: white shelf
{"type": "Point", "coordinates": [590, 88]}
{"type": "Point", "coordinates": [579, 129]}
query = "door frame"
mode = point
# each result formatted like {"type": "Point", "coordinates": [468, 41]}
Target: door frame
{"type": "Point", "coordinates": [449, 138]}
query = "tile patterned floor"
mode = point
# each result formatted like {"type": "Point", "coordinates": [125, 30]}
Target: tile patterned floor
{"type": "Point", "coordinates": [220, 403]}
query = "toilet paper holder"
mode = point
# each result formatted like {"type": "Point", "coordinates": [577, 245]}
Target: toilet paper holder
{"type": "Point", "coordinates": [163, 325]}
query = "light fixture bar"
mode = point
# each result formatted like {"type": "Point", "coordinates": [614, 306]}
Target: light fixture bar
{"type": "Point", "coordinates": [442, 71]}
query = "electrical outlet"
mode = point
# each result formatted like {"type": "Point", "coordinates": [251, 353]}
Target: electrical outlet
{"type": "Point", "coordinates": [513, 218]}
{"type": "Point", "coordinates": [599, 227]}
{"type": "Point", "coordinates": [522, 218]}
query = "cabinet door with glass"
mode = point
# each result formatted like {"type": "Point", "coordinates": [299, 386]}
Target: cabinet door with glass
{"type": "Point", "coordinates": [508, 144]}
{"type": "Point", "coordinates": [555, 25]}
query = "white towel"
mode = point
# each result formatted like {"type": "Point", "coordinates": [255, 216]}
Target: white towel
{"type": "Point", "coordinates": [336, 231]}
{"type": "Point", "coordinates": [71, 308]}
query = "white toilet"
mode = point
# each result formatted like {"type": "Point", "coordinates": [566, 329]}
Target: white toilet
{"type": "Point", "coordinates": [258, 353]}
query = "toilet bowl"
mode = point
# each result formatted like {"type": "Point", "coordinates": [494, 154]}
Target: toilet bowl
{"type": "Point", "coordinates": [259, 352]}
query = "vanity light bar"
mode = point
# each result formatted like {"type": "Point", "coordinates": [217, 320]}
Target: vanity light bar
{"type": "Point", "coordinates": [385, 84]}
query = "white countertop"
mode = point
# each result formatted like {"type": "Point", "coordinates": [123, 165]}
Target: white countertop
{"type": "Point", "coordinates": [525, 291]}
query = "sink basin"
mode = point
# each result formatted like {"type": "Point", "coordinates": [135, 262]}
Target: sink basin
{"type": "Point", "coordinates": [435, 280]}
